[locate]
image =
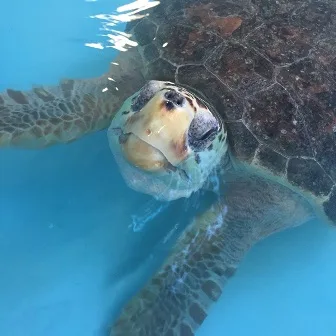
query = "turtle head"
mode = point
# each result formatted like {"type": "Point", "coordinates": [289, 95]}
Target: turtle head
{"type": "Point", "coordinates": [166, 141]}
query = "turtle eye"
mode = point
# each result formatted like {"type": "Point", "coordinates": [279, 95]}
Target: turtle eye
{"type": "Point", "coordinates": [209, 133]}
{"type": "Point", "coordinates": [202, 131]}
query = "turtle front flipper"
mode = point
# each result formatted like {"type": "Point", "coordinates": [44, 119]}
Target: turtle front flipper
{"type": "Point", "coordinates": [45, 116]}
{"type": "Point", "coordinates": [177, 299]}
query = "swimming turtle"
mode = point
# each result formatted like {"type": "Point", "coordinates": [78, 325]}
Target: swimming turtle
{"type": "Point", "coordinates": [238, 96]}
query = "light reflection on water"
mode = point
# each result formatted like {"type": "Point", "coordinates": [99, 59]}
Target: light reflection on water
{"type": "Point", "coordinates": [117, 39]}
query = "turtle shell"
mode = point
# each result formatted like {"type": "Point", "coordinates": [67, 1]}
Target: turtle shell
{"type": "Point", "coordinates": [268, 67]}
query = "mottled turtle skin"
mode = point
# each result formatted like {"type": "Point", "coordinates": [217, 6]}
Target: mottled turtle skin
{"type": "Point", "coordinates": [268, 67]}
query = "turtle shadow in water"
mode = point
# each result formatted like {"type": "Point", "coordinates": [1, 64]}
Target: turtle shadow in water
{"type": "Point", "coordinates": [163, 228]}
{"type": "Point", "coordinates": [161, 223]}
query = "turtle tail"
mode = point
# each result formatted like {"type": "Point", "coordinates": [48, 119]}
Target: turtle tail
{"type": "Point", "coordinates": [45, 116]}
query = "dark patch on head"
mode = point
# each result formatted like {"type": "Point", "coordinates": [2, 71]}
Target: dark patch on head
{"type": "Point", "coordinates": [197, 158]}
{"type": "Point", "coordinates": [220, 138]}
{"type": "Point", "coordinates": [210, 147]}
{"type": "Point", "coordinates": [145, 95]}
{"type": "Point", "coordinates": [17, 96]}
{"type": "Point", "coordinates": [125, 112]}
{"type": "Point", "coordinates": [179, 146]}
{"type": "Point", "coordinates": [202, 131]}
{"type": "Point", "coordinates": [201, 104]}
{"type": "Point", "coordinates": [167, 105]}
{"type": "Point", "coordinates": [189, 100]}
{"type": "Point", "coordinates": [123, 138]}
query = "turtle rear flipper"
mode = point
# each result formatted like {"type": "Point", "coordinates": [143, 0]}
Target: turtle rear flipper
{"type": "Point", "coordinates": [177, 299]}
{"type": "Point", "coordinates": [45, 116]}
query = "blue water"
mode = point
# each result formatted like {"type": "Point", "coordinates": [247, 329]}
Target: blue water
{"type": "Point", "coordinates": [67, 255]}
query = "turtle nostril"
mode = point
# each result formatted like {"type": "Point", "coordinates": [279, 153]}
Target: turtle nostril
{"type": "Point", "coordinates": [169, 105]}
{"type": "Point", "coordinates": [169, 94]}
{"type": "Point", "coordinates": [180, 101]}
{"type": "Point", "coordinates": [174, 97]}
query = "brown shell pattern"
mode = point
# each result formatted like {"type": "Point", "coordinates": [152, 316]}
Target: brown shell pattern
{"type": "Point", "coordinates": [269, 68]}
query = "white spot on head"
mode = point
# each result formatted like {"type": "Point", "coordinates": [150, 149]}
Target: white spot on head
{"type": "Point", "coordinates": [164, 45]}
{"type": "Point", "coordinates": [105, 89]}
{"type": "Point", "coordinates": [283, 131]}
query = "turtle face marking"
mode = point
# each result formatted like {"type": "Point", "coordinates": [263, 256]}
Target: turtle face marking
{"type": "Point", "coordinates": [169, 142]}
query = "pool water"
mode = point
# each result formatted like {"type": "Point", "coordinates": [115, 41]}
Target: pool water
{"type": "Point", "coordinates": [68, 257]}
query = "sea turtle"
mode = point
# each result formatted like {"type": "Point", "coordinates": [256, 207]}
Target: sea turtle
{"type": "Point", "coordinates": [238, 96]}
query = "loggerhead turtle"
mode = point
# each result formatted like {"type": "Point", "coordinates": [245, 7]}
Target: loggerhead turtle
{"type": "Point", "coordinates": [255, 84]}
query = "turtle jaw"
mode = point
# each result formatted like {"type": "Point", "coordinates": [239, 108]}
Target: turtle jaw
{"type": "Point", "coordinates": [141, 154]}
{"type": "Point", "coordinates": [144, 155]}
{"type": "Point", "coordinates": [139, 175]}
{"type": "Point", "coordinates": [145, 169]}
